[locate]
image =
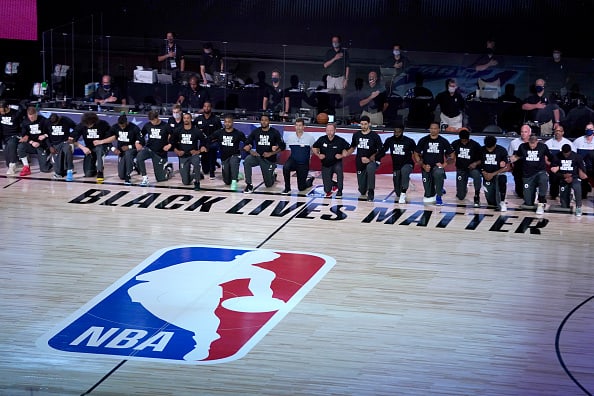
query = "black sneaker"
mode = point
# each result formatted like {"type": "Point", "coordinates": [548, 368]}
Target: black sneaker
{"type": "Point", "coordinates": [370, 195]}
{"type": "Point", "coordinates": [477, 201]}
{"type": "Point", "coordinates": [169, 171]}
{"type": "Point", "coordinates": [309, 181]}
{"type": "Point", "coordinates": [100, 178]}
{"type": "Point", "coordinates": [248, 189]}
{"type": "Point", "coordinates": [196, 186]}
{"type": "Point", "coordinates": [339, 194]}
{"type": "Point", "coordinates": [286, 191]}
{"type": "Point", "coordinates": [127, 182]}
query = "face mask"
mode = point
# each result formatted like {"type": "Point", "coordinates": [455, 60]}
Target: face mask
{"type": "Point", "coordinates": [275, 79]}
{"type": "Point", "coordinates": [539, 88]}
{"type": "Point", "coordinates": [451, 89]}
{"type": "Point", "coordinates": [589, 132]}
{"type": "Point", "coordinates": [106, 86]}
{"type": "Point", "coordinates": [556, 56]}
{"type": "Point", "coordinates": [177, 116]}
{"type": "Point", "coordinates": [336, 45]}
{"type": "Point", "coordinates": [396, 52]}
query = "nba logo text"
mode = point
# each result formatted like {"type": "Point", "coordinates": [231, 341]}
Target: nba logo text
{"type": "Point", "coordinates": [191, 304]}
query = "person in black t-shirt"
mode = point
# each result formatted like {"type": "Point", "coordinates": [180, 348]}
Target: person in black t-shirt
{"type": "Point", "coordinates": [107, 92]}
{"type": "Point", "coordinates": [494, 165]}
{"type": "Point", "coordinates": [401, 149]}
{"type": "Point", "coordinates": [337, 64]}
{"type": "Point", "coordinates": [331, 149]}
{"type": "Point", "coordinates": [188, 144]}
{"type": "Point", "coordinates": [211, 62]}
{"type": "Point", "coordinates": [97, 137]}
{"type": "Point", "coordinates": [60, 147]}
{"type": "Point", "coordinates": [275, 99]}
{"type": "Point", "coordinates": [451, 104]}
{"type": "Point", "coordinates": [192, 97]}
{"type": "Point", "coordinates": [229, 140]}
{"type": "Point", "coordinates": [208, 123]}
{"type": "Point", "coordinates": [35, 131]}
{"type": "Point", "coordinates": [10, 131]}
{"type": "Point", "coordinates": [467, 153]}
{"type": "Point", "coordinates": [572, 171]}
{"type": "Point", "coordinates": [154, 145]}
{"type": "Point", "coordinates": [127, 134]}
{"type": "Point", "coordinates": [172, 56]}
{"type": "Point", "coordinates": [539, 108]}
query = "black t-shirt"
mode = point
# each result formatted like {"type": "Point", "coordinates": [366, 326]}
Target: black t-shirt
{"type": "Point", "coordinates": [126, 136]}
{"type": "Point", "coordinates": [10, 123]}
{"type": "Point", "coordinates": [187, 140]}
{"type": "Point", "coordinates": [533, 160]}
{"type": "Point", "coordinates": [401, 149]}
{"type": "Point", "coordinates": [172, 63]}
{"type": "Point", "coordinates": [570, 165]}
{"type": "Point", "coordinates": [157, 136]}
{"type": "Point", "coordinates": [491, 160]}
{"type": "Point", "coordinates": [330, 148]}
{"type": "Point", "coordinates": [61, 131]}
{"type": "Point", "coordinates": [275, 97]}
{"type": "Point", "coordinates": [263, 141]}
{"type": "Point", "coordinates": [103, 93]}
{"type": "Point", "coordinates": [466, 153]}
{"type": "Point", "coordinates": [34, 129]}
{"type": "Point", "coordinates": [211, 62]}
{"type": "Point", "coordinates": [367, 145]}
{"type": "Point", "coordinates": [174, 124]}
{"type": "Point", "coordinates": [433, 151]}
{"type": "Point", "coordinates": [229, 142]}
{"type": "Point", "coordinates": [101, 130]}
{"type": "Point", "coordinates": [194, 99]}
{"type": "Point", "coordinates": [538, 114]}
{"type": "Point", "coordinates": [450, 105]}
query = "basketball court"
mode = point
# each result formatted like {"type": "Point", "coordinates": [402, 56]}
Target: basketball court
{"type": "Point", "coordinates": [104, 290]}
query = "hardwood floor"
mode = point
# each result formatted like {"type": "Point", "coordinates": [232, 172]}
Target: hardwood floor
{"type": "Point", "coordinates": [421, 300]}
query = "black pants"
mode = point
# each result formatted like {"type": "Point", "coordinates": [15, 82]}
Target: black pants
{"type": "Point", "coordinates": [302, 171]}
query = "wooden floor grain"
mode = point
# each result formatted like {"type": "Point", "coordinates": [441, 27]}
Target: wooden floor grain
{"type": "Point", "coordinates": [412, 307]}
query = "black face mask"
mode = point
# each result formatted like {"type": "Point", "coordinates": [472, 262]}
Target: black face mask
{"type": "Point", "coordinates": [106, 87]}
{"type": "Point", "coordinates": [539, 88]}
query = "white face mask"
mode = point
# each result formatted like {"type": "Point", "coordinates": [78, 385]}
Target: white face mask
{"type": "Point", "coordinates": [336, 45]}
{"type": "Point", "coordinates": [452, 89]}
{"type": "Point", "coordinates": [396, 52]}
{"type": "Point", "coordinates": [177, 116]}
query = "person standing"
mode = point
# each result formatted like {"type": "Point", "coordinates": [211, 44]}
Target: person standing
{"type": "Point", "coordinates": [451, 104]}
{"type": "Point", "coordinates": [275, 99]}
{"type": "Point", "coordinates": [402, 150]}
{"type": "Point", "coordinates": [35, 131]}
{"type": "Point", "coordinates": [374, 101]}
{"type": "Point", "coordinates": [369, 150]}
{"type": "Point", "coordinates": [494, 165]}
{"type": "Point", "coordinates": [60, 148]}
{"type": "Point", "coordinates": [584, 146]}
{"type": "Point", "coordinates": [211, 62]}
{"type": "Point", "coordinates": [433, 153]}
{"type": "Point", "coordinates": [208, 122]}
{"type": "Point", "coordinates": [229, 140]}
{"type": "Point", "coordinates": [263, 144]}
{"type": "Point", "coordinates": [154, 145]}
{"type": "Point", "coordinates": [331, 149]}
{"type": "Point", "coordinates": [127, 134]}
{"type": "Point", "coordinates": [188, 144]}
{"type": "Point", "coordinates": [97, 137]}
{"type": "Point", "coordinates": [337, 64]}
{"type": "Point", "coordinates": [172, 57]}
{"type": "Point", "coordinates": [468, 157]}
{"type": "Point", "coordinates": [300, 144]}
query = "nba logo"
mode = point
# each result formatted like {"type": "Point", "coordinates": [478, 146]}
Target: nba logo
{"type": "Point", "coordinates": [191, 304]}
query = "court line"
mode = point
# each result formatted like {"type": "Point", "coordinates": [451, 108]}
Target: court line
{"type": "Point", "coordinates": [567, 371]}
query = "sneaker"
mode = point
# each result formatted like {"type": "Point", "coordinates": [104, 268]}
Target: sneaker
{"type": "Point", "coordinates": [309, 181]}
{"type": "Point", "coordinates": [362, 197]}
{"type": "Point", "coordinates": [438, 200]}
{"type": "Point", "coordinates": [286, 191]}
{"type": "Point", "coordinates": [196, 186]}
{"type": "Point", "coordinates": [234, 185]}
{"type": "Point", "coordinates": [212, 176]}
{"type": "Point", "coordinates": [26, 171]}
{"type": "Point", "coordinates": [443, 191]}
{"type": "Point", "coordinates": [201, 176]}
{"type": "Point", "coordinates": [429, 200]}
{"type": "Point", "coordinates": [127, 182]}
{"type": "Point", "coordinates": [370, 195]}
{"type": "Point", "coordinates": [57, 176]}
{"type": "Point", "coordinates": [339, 194]}
{"type": "Point", "coordinates": [100, 178]}
{"type": "Point", "coordinates": [168, 171]}
{"type": "Point", "coordinates": [328, 194]}
{"type": "Point", "coordinates": [69, 175]}
{"type": "Point", "coordinates": [144, 182]}
{"type": "Point", "coordinates": [477, 201]}
{"type": "Point", "coordinates": [334, 187]}
{"type": "Point", "coordinates": [11, 169]}
{"type": "Point", "coordinates": [578, 211]}
{"type": "Point", "coordinates": [540, 208]}
{"type": "Point", "coordinates": [402, 199]}
{"type": "Point", "coordinates": [502, 206]}
{"type": "Point", "coordinates": [248, 189]}
{"type": "Point", "coordinates": [240, 176]}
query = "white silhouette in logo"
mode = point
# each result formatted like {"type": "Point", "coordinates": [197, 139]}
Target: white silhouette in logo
{"type": "Point", "coordinates": [187, 294]}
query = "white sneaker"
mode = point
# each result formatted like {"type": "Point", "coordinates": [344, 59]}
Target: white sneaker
{"type": "Point", "coordinates": [578, 211]}
{"type": "Point", "coordinates": [11, 169]}
{"type": "Point", "coordinates": [540, 208]}
{"type": "Point", "coordinates": [429, 200]}
{"type": "Point", "coordinates": [502, 206]}
{"type": "Point", "coordinates": [402, 199]}
{"type": "Point", "coordinates": [144, 182]}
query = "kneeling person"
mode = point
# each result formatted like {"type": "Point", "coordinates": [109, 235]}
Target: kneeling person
{"type": "Point", "coordinates": [188, 143]}
{"type": "Point", "coordinates": [494, 165]}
